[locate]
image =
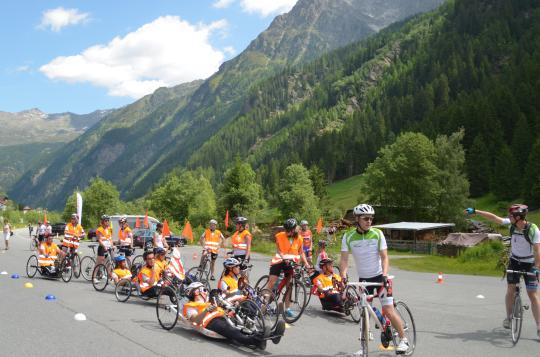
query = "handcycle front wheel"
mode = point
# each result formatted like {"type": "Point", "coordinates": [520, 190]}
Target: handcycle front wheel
{"type": "Point", "coordinates": [261, 283]}
{"type": "Point", "coordinates": [122, 291]}
{"type": "Point", "coordinates": [167, 307]}
{"type": "Point", "coordinates": [100, 277]}
{"type": "Point", "coordinates": [409, 327]}
{"type": "Point", "coordinates": [252, 316]}
{"type": "Point", "coordinates": [517, 319]}
{"type": "Point", "coordinates": [32, 266]}
{"type": "Point", "coordinates": [351, 304]}
{"type": "Point", "coordinates": [87, 267]}
{"type": "Point", "coordinates": [76, 265]}
{"type": "Point", "coordinates": [269, 307]}
{"type": "Point", "coordinates": [66, 270]}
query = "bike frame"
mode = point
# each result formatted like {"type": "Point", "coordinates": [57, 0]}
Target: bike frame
{"type": "Point", "coordinates": [365, 299]}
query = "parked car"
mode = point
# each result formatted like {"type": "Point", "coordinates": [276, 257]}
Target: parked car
{"type": "Point", "coordinates": [92, 235]}
{"type": "Point", "coordinates": [143, 237]}
{"type": "Point", "coordinates": [58, 228]}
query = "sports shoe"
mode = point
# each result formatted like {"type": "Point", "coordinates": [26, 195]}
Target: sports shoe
{"type": "Point", "coordinates": [212, 278]}
{"type": "Point", "coordinates": [506, 323]}
{"type": "Point", "coordinates": [278, 332]}
{"type": "Point", "coordinates": [403, 345]}
{"type": "Point", "coordinates": [290, 313]}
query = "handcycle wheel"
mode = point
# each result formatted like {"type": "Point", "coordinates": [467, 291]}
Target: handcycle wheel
{"type": "Point", "coordinates": [66, 270]}
{"type": "Point", "coordinates": [100, 277]}
{"type": "Point", "coordinates": [167, 307]}
{"type": "Point", "coordinates": [137, 260]}
{"type": "Point", "coordinates": [517, 319]}
{"type": "Point", "coordinates": [252, 316]}
{"type": "Point", "coordinates": [364, 332]}
{"type": "Point", "coordinates": [87, 267]}
{"type": "Point", "coordinates": [201, 275]}
{"type": "Point", "coordinates": [309, 287]}
{"type": "Point", "coordinates": [408, 327]}
{"type": "Point", "coordinates": [122, 291]}
{"type": "Point", "coordinates": [262, 282]}
{"type": "Point", "coordinates": [32, 266]}
{"type": "Point", "coordinates": [351, 303]}
{"type": "Point", "coordinates": [297, 303]}
{"type": "Point", "coordinates": [269, 307]}
{"type": "Point", "coordinates": [76, 265]}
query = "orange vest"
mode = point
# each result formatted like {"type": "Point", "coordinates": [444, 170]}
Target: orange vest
{"type": "Point", "coordinates": [47, 254]}
{"type": "Point", "coordinates": [107, 234]}
{"type": "Point", "coordinates": [71, 235]}
{"type": "Point", "coordinates": [306, 235]}
{"type": "Point", "coordinates": [289, 250]}
{"type": "Point", "coordinates": [123, 236]}
{"type": "Point", "coordinates": [204, 317]}
{"type": "Point", "coordinates": [146, 272]}
{"type": "Point", "coordinates": [212, 240]}
{"type": "Point", "coordinates": [327, 282]}
{"type": "Point", "coordinates": [239, 240]}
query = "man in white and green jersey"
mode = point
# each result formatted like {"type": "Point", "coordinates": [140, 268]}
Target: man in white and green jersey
{"type": "Point", "coordinates": [369, 250]}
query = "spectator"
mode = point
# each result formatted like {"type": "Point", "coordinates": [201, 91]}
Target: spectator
{"type": "Point", "coordinates": [7, 233]}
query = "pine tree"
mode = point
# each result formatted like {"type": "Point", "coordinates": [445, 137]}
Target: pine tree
{"type": "Point", "coordinates": [478, 167]}
{"type": "Point", "coordinates": [531, 183]}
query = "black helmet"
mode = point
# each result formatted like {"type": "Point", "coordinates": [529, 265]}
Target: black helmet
{"type": "Point", "coordinates": [322, 243]}
{"type": "Point", "coordinates": [241, 220]}
{"type": "Point", "coordinates": [105, 218]}
{"type": "Point", "coordinates": [290, 224]}
{"type": "Point", "coordinates": [518, 209]}
{"type": "Point", "coordinates": [325, 261]}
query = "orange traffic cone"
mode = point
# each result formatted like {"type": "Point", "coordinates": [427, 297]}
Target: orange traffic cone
{"type": "Point", "coordinates": [195, 256]}
{"type": "Point", "coordinates": [439, 278]}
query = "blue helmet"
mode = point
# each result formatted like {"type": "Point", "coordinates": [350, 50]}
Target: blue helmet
{"type": "Point", "coordinates": [119, 258]}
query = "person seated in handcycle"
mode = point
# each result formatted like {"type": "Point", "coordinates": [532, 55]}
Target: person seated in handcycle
{"type": "Point", "coordinates": [121, 270]}
{"type": "Point", "coordinates": [48, 253]}
{"type": "Point", "coordinates": [230, 281]}
{"type": "Point", "coordinates": [161, 261]}
{"type": "Point", "coordinates": [329, 286]}
{"type": "Point", "coordinates": [204, 313]}
{"type": "Point", "coordinates": [149, 276]}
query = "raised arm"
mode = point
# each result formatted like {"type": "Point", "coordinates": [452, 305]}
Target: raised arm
{"type": "Point", "coordinates": [487, 215]}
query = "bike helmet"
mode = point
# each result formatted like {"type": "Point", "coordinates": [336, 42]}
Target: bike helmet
{"type": "Point", "coordinates": [322, 243]}
{"type": "Point", "coordinates": [193, 286]}
{"type": "Point", "coordinates": [213, 221]}
{"type": "Point", "coordinates": [325, 261]}
{"type": "Point", "coordinates": [159, 250]}
{"type": "Point", "coordinates": [363, 209]}
{"type": "Point", "coordinates": [105, 218]}
{"type": "Point", "coordinates": [231, 262]}
{"type": "Point", "coordinates": [303, 222]}
{"type": "Point", "coordinates": [120, 258]}
{"type": "Point", "coordinates": [241, 220]}
{"type": "Point", "coordinates": [290, 224]}
{"type": "Point", "coordinates": [74, 215]}
{"type": "Point", "coordinates": [518, 209]}
{"type": "Point", "coordinates": [123, 220]}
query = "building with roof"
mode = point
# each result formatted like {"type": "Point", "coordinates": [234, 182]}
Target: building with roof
{"type": "Point", "coordinates": [418, 237]}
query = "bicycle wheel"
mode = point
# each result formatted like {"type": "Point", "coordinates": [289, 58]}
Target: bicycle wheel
{"type": "Point", "coordinates": [364, 333]}
{"type": "Point", "coordinates": [76, 265]}
{"type": "Point", "coordinates": [261, 283]}
{"type": "Point", "coordinates": [408, 327]}
{"type": "Point", "coordinates": [197, 273]}
{"type": "Point", "coordinates": [32, 266]}
{"type": "Point", "coordinates": [122, 291]}
{"type": "Point", "coordinates": [138, 260]}
{"type": "Point", "coordinates": [351, 304]}
{"type": "Point", "coordinates": [252, 317]}
{"type": "Point", "coordinates": [297, 302]}
{"type": "Point", "coordinates": [517, 319]}
{"type": "Point", "coordinates": [269, 307]}
{"type": "Point", "coordinates": [167, 307]}
{"type": "Point", "coordinates": [309, 286]}
{"type": "Point", "coordinates": [87, 267]}
{"type": "Point", "coordinates": [66, 269]}
{"type": "Point", "coordinates": [100, 277]}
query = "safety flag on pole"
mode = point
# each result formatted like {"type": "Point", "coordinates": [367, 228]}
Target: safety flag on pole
{"type": "Point", "coordinates": [166, 231]}
{"type": "Point", "coordinates": [45, 218]}
{"type": "Point", "coordinates": [176, 267]}
{"type": "Point", "coordinates": [188, 232]}
{"type": "Point", "coordinates": [137, 223]}
{"type": "Point", "coordinates": [319, 225]}
{"type": "Point", "coordinates": [145, 222]}
{"type": "Point", "coordinates": [227, 219]}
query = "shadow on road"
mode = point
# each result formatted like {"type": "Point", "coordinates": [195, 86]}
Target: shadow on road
{"type": "Point", "coordinates": [497, 337]}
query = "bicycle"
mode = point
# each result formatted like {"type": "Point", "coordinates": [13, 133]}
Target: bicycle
{"type": "Point", "coordinates": [202, 271]}
{"type": "Point", "coordinates": [518, 307]}
{"type": "Point", "coordinates": [298, 295]}
{"type": "Point", "coordinates": [388, 332]}
{"type": "Point", "coordinates": [88, 263]}
{"type": "Point", "coordinates": [102, 272]}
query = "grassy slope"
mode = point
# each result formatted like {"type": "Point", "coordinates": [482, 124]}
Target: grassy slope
{"type": "Point", "coordinates": [344, 194]}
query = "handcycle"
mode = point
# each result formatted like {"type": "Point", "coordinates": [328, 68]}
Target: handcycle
{"type": "Point", "coordinates": [75, 260]}
{"type": "Point", "coordinates": [298, 296]}
{"type": "Point", "coordinates": [388, 332]}
{"type": "Point", "coordinates": [518, 307]}
{"type": "Point", "coordinates": [63, 270]}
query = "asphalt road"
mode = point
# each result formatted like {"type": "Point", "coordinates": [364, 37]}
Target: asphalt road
{"type": "Point", "coordinates": [450, 319]}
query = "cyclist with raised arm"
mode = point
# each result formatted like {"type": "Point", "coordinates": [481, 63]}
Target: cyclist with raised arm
{"type": "Point", "coordinates": [241, 240]}
{"type": "Point", "coordinates": [72, 235]}
{"type": "Point", "coordinates": [211, 240]}
{"type": "Point", "coordinates": [368, 247]}
{"type": "Point", "coordinates": [525, 256]}
{"type": "Point", "coordinates": [288, 251]}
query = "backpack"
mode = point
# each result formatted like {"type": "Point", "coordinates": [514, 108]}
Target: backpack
{"type": "Point", "coordinates": [525, 232]}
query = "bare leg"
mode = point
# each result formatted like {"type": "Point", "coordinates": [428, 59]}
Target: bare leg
{"type": "Point", "coordinates": [390, 312]}
{"type": "Point", "coordinates": [509, 300]}
{"type": "Point", "coordinates": [535, 305]}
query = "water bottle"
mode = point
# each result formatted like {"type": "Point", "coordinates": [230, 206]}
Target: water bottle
{"type": "Point", "coordinates": [379, 316]}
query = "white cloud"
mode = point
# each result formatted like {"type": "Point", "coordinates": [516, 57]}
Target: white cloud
{"type": "Point", "coordinates": [221, 4]}
{"type": "Point", "coordinates": [23, 68]}
{"type": "Point", "coordinates": [165, 52]}
{"type": "Point", "coordinates": [229, 50]}
{"type": "Point", "coordinates": [267, 7]}
{"type": "Point", "coordinates": [56, 19]}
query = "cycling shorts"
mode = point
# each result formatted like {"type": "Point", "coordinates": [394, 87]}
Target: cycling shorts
{"type": "Point", "coordinates": [385, 297]}
{"type": "Point", "coordinates": [531, 282]}
{"type": "Point", "coordinates": [213, 256]}
{"type": "Point", "coordinates": [101, 251]}
{"type": "Point", "coordinates": [276, 269]}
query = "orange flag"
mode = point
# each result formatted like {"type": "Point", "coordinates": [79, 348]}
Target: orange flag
{"type": "Point", "coordinates": [137, 223]}
{"type": "Point", "coordinates": [227, 219]}
{"type": "Point", "coordinates": [188, 232]}
{"type": "Point", "coordinates": [146, 220]}
{"type": "Point", "coordinates": [319, 225]}
{"type": "Point", "coordinates": [166, 231]}
{"type": "Point", "coordinates": [45, 218]}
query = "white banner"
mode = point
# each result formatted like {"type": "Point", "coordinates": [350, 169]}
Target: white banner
{"type": "Point", "coordinates": [79, 207]}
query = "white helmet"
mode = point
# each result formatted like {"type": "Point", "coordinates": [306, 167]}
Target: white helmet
{"type": "Point", "coordinates": [193, 286]}
{"type": "Point", "coordinates": [213, 221]}
{"type": "Point", "coordinates": [231, 262]}
{"type": "Point", "coordinates": [303, 222]}
{"type": "Point", "coordinates": [362, 209]}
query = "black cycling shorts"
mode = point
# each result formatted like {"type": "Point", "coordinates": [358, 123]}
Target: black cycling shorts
{"type": "Point", "coordinates": [101, 251]}
{"type": "Point", "coordinates": [128, 252]}
{"type": "Point", "coordinates": [531, 283]}
{"type": "Point", "coordinates": [276, 269]}
{"type": "Point", "coordinates": [213, 256]}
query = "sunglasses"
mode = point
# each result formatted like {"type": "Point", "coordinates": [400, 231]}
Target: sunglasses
{"type": "Point", "coordinates": [367, 219]}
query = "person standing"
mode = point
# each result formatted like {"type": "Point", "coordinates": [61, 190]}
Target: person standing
{"type": "Point", "coordinates": [41, 229]}
{"type": "Point", "coordinates": [211, 240]}
{"type": "Point", "coordinates": [7, 233]}
{"type": "Point", "coordinates": [30, 229]}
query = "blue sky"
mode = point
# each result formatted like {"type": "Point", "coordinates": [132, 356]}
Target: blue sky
{"type": "Point", "coordinates": [80, 56]}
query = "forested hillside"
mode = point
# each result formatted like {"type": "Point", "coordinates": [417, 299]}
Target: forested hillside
{"type": "Point", "coordinates": [473, 64]}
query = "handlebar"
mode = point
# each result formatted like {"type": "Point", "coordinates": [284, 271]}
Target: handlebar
{"type": "Point", "coordinates": [522, 272]}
